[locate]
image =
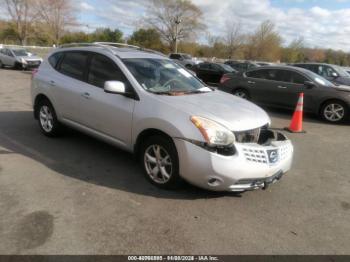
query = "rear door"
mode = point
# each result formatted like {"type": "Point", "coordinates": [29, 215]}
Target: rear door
{"type": "Point", "coordinates": [69, 86]}
{"type": "Point", "coordinates": [258, 85]}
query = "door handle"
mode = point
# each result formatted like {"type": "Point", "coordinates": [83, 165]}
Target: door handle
{"type": "Point", "coordinates": [251, 82]}
{"type": "Point", "coordinates": [282, 87]}
{"type": "Point", "coordinates": [86, 95]}
{"type": "Point", "coordinates": [52, 83]}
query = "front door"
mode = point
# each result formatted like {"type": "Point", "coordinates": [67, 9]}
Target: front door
{"type": "Point", "coordinates": [109, 114]}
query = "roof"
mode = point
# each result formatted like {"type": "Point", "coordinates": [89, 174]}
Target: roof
{"type": "Point", "coordinates": [118, 49]}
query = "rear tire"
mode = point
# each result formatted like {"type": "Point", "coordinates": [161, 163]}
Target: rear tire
{"type": "Point", "coordinates": [160, 163]}
{"type": "Point", "coordinates": [1, 64]}
{"type": "Point", "coordinates": [335, 112]}
{"type": "Point", "coordinates": [242, 93]}
{"type": "Point", "coordinates": [47, 119]}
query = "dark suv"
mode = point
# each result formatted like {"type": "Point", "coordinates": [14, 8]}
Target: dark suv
{"type": "Point", "coordinates": [280, 86]}
{"type": "Point", "coordinates": [333, 73]}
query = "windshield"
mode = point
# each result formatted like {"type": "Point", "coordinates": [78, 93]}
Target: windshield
{"type": "Point", "coordinates": [20, 52]}
{"type": "Point", "coordinates": [320, 80]}
{"type": "Point", "coordinates": [341, 71]}
{"type": "Point", "coordinates": [163, 76]}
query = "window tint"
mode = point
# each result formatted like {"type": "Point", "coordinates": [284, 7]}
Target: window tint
{"type": "Point", "coordinates": [175, 56]}
{"type": "Point", "coordinates": [204, 66]}
{"type": "Point", "coordinates": [53, 60]}
{"type": "Point", "coordinates": [103, 69]}
{"type": "Point", "coordinates": [297, 78]}
{"type": "Point", "coordinates": [215, 67]}
{"type": "Point", "coordinates": [74, 64]}
{"type": "Point", "coordinates": [257, 74]}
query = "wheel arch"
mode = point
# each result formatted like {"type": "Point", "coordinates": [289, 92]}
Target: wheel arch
{"type": "Point", "coordinates": [38, 99]}
{"type": "Point", "coordinates": [147, 133]}
{"type": "Point", "coordinates": [234, 89]}
{"type": "Point", "coordinates": [327, 100]}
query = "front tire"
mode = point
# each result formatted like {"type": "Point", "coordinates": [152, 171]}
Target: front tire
{"type": "Point", "coordinates": [160, 162]}
{"type": "Point", "coordinates": [334, 112]}
{"type": "Point", "coordinates": [47, 119]}
{"type": "Point", "coordinates": [1, 65]}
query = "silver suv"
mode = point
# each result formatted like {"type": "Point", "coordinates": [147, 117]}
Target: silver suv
{"type": "Point", "coordinates": [147, 104]}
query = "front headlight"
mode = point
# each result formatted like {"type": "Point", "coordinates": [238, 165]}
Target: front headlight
{"type": "Point", "coordinates": [213, 133]}
{"type": "Point", "coordinates": [23, 61]}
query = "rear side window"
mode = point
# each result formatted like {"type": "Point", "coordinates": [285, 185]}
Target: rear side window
{"type": "Point", "coordinates": [74, 64]}
{"type": "Point", "coordinates": [54, 59]}
{"type": "Point", "coordinates": [103, 69]}
{"type": "Point", "coordinates": [175, 56]}
{"type": "Point", "coordinates": [257, 74]}
{"type": "Point", "coordinates": [204, 66]}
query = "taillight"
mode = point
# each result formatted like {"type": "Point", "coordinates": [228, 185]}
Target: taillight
{"type": "Point", "coordinates": [224, 78]}
{"type": "Point", "coordinates": [34, 72]}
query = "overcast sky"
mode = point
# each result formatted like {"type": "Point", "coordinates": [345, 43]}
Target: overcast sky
{"type": "Point", "coordinates": [322, 23]}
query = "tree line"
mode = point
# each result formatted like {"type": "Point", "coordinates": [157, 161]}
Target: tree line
{"type": "Point", "coordinates": [170, 26]}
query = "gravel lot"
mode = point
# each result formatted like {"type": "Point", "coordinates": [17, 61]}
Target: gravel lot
{"type": "Point", "coordinates": [77, 195]}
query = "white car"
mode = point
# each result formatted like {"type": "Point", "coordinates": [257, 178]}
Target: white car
{"type": "Point", "coordinates": [147, 104]}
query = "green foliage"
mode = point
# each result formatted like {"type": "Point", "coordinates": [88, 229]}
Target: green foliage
{"type": "Point", "coordinates": [147, 38]}
{"type": "Point", "coordinates": [106, 35]}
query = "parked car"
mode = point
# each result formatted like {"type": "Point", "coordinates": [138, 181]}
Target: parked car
{"type": "Point", "coordinates": [347, 69]}
{"type": "Point", "coordinates": [241, 66]}
{"type": "Point", "coordinates": [185, 59]}
{"type": "Point", "coordinates": [211, 73]}
{"type": "Point", "coordinates": [149, 105]}
{"type": "Point", "coordinates": [18, 58]}
{"type": "Point", "coordinates": [333, 73]}
{"type": "Point", "coordinates": [280, 86]}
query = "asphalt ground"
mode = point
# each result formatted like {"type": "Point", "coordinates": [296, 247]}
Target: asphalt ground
{"type": "Point", "coordinates": [77, 195]}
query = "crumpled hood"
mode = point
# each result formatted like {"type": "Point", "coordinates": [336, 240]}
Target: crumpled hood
{"type": "Point", "coordinates": [235, 113]}
{"type": "Point", "coordinates": [31, 58]}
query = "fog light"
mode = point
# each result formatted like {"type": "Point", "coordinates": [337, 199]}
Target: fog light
{"type": "Point", "coordinates": [214, 182]}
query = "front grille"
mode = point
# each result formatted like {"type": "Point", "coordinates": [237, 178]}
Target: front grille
{"type": "Point", "coordinates": [250, 136]}
{"type": "Point", "coordinates": [255, 155]}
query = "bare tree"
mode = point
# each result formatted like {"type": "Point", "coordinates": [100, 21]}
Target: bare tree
{"type": "Point", "coordinates": [22, 16]}
{"type": "Point", "coordinates": [174, 20]}
{"type": "Point", "coordinates": [234, 39]}
{"type": "Point", "coordinates": [57, 16]}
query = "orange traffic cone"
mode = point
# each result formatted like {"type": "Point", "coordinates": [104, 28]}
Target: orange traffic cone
{"type": "Point", "coordinates": [296, 125]}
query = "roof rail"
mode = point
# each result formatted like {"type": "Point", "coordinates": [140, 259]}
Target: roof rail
{"type": "Point", "coordinates": [108, 45]}
{"type": "Point", "coordinates": [117, 44]}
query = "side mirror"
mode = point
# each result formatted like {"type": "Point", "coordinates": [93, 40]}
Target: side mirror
{"type": "Point", "coordinates": [117, 88]}
{"type": "Point", "coordinates": [335, 75]}
{"type": "Point", "coordinates": [309, 84]}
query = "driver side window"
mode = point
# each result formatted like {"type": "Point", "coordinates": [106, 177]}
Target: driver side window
{"type": "Point", "coordinates": [103, 69]}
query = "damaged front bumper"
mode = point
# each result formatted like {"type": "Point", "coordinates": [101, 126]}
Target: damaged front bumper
{"type": "Point", "coordinates": [252, 165]}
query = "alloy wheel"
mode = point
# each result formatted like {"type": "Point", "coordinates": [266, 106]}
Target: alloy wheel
{"type": "Point", "coordinates": [334, 112]}
{"type": "Point", "coordinates": [158, 164]}
{"type": "Point", "coordinates": [46, 118]}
